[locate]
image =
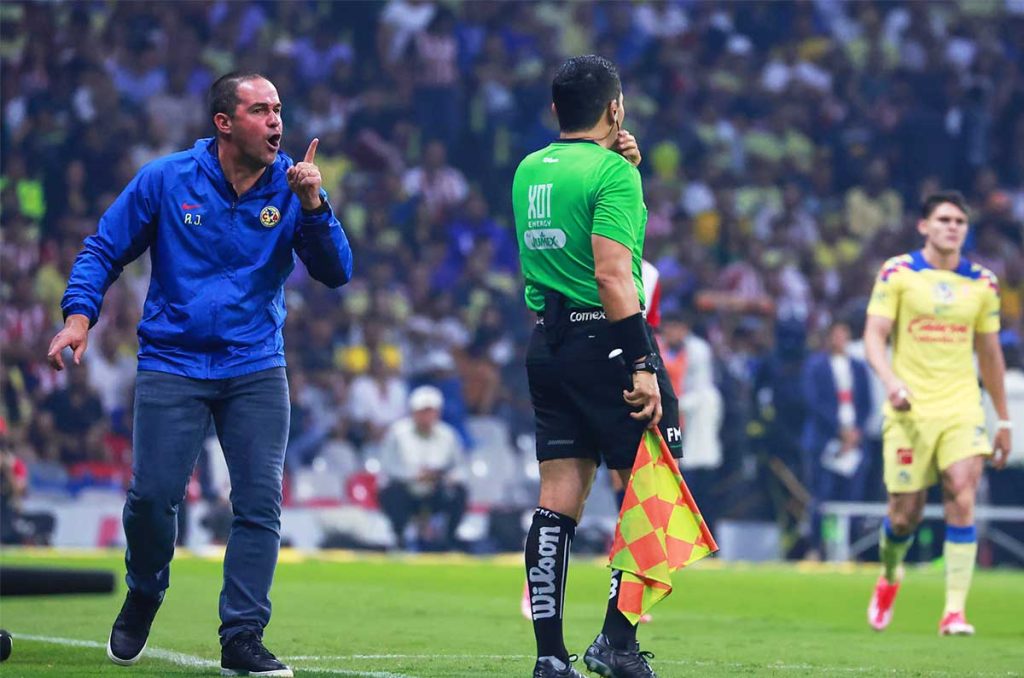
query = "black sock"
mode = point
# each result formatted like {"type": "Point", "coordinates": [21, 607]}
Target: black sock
{"type": "Point", "coordinates": [547, 564]}
{"type": "Point", "coordinates": [620, 633]}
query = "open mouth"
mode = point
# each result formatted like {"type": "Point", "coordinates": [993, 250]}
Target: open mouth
{"type": "Point", "coordinates": [274, 141]}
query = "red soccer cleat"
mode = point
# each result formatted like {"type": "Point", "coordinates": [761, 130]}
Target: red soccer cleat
{"type": "Point", "coordinates": [880, 607]}
{"type": "Point", "coordinates": [955, 624]}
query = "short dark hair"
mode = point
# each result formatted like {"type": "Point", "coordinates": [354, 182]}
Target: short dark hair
{"type": "Point", "coordinates": [932, 202]}
{"type": "Point", "coordinates": [581, 89]}
{"type": "Point", "coordinates": [223, 96]}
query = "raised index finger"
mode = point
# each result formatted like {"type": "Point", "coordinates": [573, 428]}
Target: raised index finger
{"type": "Point", "coordinates": [311, 151]}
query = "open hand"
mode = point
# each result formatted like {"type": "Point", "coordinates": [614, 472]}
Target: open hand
{"type": "Point", "coordinates": [74, 335]}
{"type": "Point", "coordinates": [304, 179]}
{"type": "Point", "coordinates": [645, 395]}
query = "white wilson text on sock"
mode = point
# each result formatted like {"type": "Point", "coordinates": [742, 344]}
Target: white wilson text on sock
{"type": "Point", "coordinates": [542, 577]}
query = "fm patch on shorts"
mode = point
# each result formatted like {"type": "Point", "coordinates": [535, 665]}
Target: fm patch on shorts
{"type": "Point", "coordinates": [904, 477]}
{"type": "Point", "coordinates": [905, 456]}
{"type": "Point", "coordinates": [270, 216]}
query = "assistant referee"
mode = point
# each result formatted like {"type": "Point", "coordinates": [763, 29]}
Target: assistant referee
{"type": "Point", "coordinates": [596, 379]}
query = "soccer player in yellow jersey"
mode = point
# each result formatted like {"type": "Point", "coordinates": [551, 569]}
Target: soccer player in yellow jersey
{"type": "Point", "coordinates": [939, 309]}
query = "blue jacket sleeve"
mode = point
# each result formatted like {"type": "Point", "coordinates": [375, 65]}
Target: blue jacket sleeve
{"type": "Point", "coordinates": [820, 404]}
{"type": "Point", "coordinates": [321, 243]}
{"type": "Point", "coordinates": [863, 398]}
{"type": "Point", "coordinates": [125, 230]}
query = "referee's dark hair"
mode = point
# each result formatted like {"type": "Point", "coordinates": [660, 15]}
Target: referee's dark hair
{"type": "Point", "coordinates": [935, 199]}
{"type": "Point", "coordinates": [581, 90]}
{"type": "Point", "coordinates": [223, 96]}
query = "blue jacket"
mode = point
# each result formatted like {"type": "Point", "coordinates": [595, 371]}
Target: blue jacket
{"type": "Point", "coordinates": [822, 403]}
{"type": "Point", "coordinates": [215, 306]}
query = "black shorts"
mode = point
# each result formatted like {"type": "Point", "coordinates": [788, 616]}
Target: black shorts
{"type": "Point", "coordinates": [577, 399]}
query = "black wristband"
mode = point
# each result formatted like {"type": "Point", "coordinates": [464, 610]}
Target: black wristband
{"type": "Point", "coordinates": [630, 334]}
{"type": "Point", "coordinates": [324, 207]}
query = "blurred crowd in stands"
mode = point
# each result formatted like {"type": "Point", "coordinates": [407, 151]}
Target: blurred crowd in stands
{"type": "Point", "coordinates": [786, 148]}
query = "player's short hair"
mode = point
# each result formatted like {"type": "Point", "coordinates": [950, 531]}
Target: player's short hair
{"type": "Point", "coordinates": [932, 202]}
{"type": "Point", "coordinates": [581, 89]}
{"type": "Point", "coordinates": [223, 95]}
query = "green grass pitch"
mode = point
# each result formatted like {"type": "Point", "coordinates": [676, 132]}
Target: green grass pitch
{"type": "Point", "coordinates": [421, 617]}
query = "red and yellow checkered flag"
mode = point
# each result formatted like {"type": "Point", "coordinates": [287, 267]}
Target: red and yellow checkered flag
{"type": "Point", "coordinates": [660, 529]}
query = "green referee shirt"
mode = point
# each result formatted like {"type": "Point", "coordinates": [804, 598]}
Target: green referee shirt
{"type": "Point", "coordinates": [562, 195]}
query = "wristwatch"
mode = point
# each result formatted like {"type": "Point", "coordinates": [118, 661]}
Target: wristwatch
{"type": "Point", "coordinates": [649, 363]}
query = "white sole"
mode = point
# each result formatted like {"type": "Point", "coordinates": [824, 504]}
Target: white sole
{"type": "Point", "coordinates": [276, 673]}
{"type": "Point", "coordinates": [957, 631]}
{"type": "Point", "coordinates": [124, 662]}
{"type": "Point", "coordinates": [873, 614]}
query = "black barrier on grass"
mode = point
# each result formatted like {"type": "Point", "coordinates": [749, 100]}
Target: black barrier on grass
{"type": "Point", "coordinates": [40, 581]}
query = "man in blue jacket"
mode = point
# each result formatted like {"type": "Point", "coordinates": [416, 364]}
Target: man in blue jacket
{"type": "Point", "coordinates": [221, 222]}
{"type": "Point", "coordinates": [837, 397]}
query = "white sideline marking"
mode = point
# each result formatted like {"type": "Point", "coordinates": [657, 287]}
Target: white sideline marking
{"type": "Point", "coordinates": [802, 668]}
{"type": "Point", "coordinates": [178, 658]}
{"type": "Point", "coordinates": [193, 662]}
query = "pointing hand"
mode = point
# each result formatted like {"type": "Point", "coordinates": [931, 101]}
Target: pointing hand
{"type": "Point", "coordinates": [304, 179]}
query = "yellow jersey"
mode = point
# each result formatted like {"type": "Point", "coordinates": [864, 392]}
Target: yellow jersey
{"type": "Point", "coordinates": [935, 315]}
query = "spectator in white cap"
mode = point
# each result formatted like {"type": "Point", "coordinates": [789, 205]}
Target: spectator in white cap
{"type": "Point", "coordinates": [421, 462]}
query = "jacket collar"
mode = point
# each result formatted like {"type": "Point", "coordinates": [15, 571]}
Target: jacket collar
{"type": "Point", "coordinates": [205, 153]}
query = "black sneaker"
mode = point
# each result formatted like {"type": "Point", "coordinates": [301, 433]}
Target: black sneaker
{"type": "Point", "coordinates": [547, 667]}
{"type": "Point", "coordinates": [244, 655]}
{"type": "Point", "coordinates": [607, 661]}
{"type": "Point", "coordinates": [131, 629]}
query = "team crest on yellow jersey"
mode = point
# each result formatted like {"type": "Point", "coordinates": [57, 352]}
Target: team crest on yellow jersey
{"type": "Point", "coordinates": [270, 216]}
{"type": "Point", "coordinates": [944, 293]}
